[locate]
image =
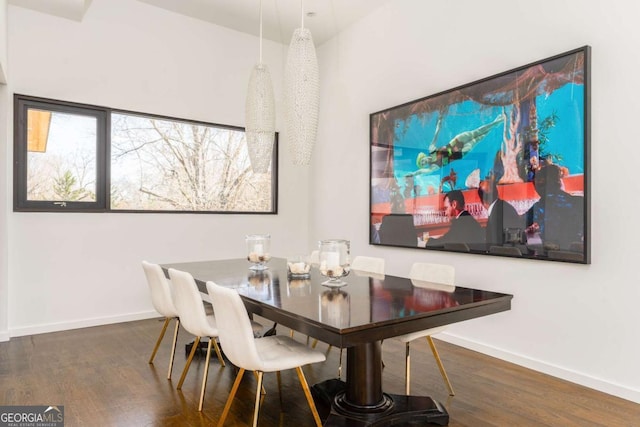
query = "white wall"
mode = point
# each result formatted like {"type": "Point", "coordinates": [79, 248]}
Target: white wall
{"type": "Point", "coordinates": [4, 174]}
{"type": "Point", "coordinates": [3, 41]}
{"type": "Point", "coordinates": [73, 270]}
{"type": "Point", "coordinates": [574, 321]}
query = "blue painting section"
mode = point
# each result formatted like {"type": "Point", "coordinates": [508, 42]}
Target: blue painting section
{"type": "Point", "coordinates": [415, 134]}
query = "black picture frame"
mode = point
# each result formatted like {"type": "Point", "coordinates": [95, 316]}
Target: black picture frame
{"type": "Point", "coordinates": [499, 166]}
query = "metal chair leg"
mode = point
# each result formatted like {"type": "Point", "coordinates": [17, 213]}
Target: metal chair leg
{"type": "Point", "coordinates": [255, 374]}
{"type": "Point", "coordinates": [340, 365]}
{"type": "Point", "coordinates": [196, 343]}
{"type": "Point", "coordinates": [205, 374]}
{"type": "Point", "coordinates": [440, 365]}
{"type": "Point", "coordinates": [307, 394]}
{"type": "Point", "coordinates": [173, 349]}
{"type": "Point", "coordinates": [232, 394]}
{"type": "Point", "coordinates": [164, 329]}
{"type": "Point", "coordinates": [215, 346]}
{"type": "Point", "coordinates": [256, 409]}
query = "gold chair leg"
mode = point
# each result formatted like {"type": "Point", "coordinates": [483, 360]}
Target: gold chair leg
{"type": "Point", "coordinates": [232, 394]}
{"type": "Point", "coordinates": [255, 374]}
{"type": "Point", "coordinates": [307, 394]}
{"type": "Point", "coordinates": [173, 349]}
{"type": "Point", "coordinates": [440, 365]}
{"type": "Point", "coordinates": [205, 375]}
{"type": "Point", "coordinates": [215, 346]}
{"type": "Point", "coordinates": [407, 370]}
{"type": "Point", "coordinates": [196, 342]}
{"type": "Point", "coordinates": [340, 365]}
{"type": "Point", "coordinates": [256, 409]}
{"type": "Point", "coordinates": [164, 329]}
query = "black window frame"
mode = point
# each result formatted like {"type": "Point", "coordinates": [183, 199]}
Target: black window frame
{"type": "Point", "coordinates": [20, 203]}
{"type": "Point", "coordinates": [22, 103]}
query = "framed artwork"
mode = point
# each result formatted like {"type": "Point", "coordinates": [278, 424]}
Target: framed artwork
{"type": "Point", "coordinates": [499, 166]}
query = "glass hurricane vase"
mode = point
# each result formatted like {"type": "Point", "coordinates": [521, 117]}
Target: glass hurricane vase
{"type": "Point", "coordinates": [335, 262]}
{"type": "Point", "coordinates": [258, 247]}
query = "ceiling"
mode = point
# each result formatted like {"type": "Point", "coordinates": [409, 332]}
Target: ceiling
{"type": "Point", "coordinates": [325, 18]}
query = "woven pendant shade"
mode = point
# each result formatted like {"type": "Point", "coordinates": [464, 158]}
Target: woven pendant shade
{"type": "Point", "coordinates": [302, 96]}
{"type": "Point", "coordinates": [260, 118]}
{"type": "Point", "coordinates": [260, 115]}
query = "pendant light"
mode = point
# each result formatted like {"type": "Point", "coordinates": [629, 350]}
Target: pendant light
{"type": "Point", "coordinates": [302, 95]}
{"type": "Point", "coordinates": [260, 115]}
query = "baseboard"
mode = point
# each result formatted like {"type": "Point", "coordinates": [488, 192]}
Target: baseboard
{"type": "Point", "coordinates": [546, 368]}
{"type": "Point", "coordinates": [77, 324]}
{"type": "Point", "coordinates": [4, 336]}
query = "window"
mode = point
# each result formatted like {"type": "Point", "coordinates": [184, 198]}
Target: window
{"type": "Point", "coordinates": [59, 156]}
{"type": "Point", "coordinates": [84, 158]}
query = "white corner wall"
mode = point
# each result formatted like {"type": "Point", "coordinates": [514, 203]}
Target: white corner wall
{"type": "Point", "coordinates": [573, 321]}
{"type": "Point", "coordinates": [4, 194]}
{"type": "Point", "coordinates": [3, 41]}
{"type": "Point", "coordinates": [74, 270]}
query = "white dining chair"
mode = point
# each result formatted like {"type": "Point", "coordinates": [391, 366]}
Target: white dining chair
{"type": "Point", "coordinates": [435, 276]}
{"type": "Point", "coordinates": [162, 301]}
{"type": "Point", "coordinates": [268, 354]}
{"type": "Point", "coordinates": [368, 265]}
{"type": "Point", "coordinates": [195, 321]}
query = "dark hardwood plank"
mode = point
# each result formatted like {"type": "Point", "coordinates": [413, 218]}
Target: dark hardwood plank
{"type": "Point", "coordinates": [102, 377]}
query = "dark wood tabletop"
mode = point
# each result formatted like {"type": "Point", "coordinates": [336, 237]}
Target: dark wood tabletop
{"type": "Point", "coordinates": [366, 309]}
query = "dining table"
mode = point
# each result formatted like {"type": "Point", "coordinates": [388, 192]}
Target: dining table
{"type": "Point", "coordinates": [357, 316]}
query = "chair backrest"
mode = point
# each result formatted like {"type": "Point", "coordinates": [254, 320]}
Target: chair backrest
{"type": "Point", "coordinates": [368, 264]}
{"type": "Point", "coordinates": [235, 332]}
{"type": "Point", "coordinates": [424, 274]}
{"type": "Point", "coordinates": [188, 301]}
{"type": "Point", "coordinates": [160, 288]}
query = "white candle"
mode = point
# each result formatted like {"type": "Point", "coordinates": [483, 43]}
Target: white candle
{"type": "Point", "coordinates": [333, 260]}
{"type": "Point", "coordinates": [257, 248]}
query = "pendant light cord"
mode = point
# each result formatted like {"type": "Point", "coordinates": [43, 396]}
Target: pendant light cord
{"type": "Point", "coordinates": [302, 13]}
{"type": "Point", "coordinates": [261, 31]}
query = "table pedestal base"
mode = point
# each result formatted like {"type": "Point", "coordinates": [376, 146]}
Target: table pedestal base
{"type": "Point", "coordinates": [393, 410]}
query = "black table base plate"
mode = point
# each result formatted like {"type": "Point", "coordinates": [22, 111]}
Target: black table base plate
{"type": "Point", "coordinates": [395, 410]}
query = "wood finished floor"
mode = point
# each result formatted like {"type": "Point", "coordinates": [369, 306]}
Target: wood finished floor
{"type": "Point", "coordinates": [102, 378]}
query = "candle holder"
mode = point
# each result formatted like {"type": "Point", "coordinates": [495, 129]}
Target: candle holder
{"type": "Point", "coordinates": [258, 248]}
{"type": "Point", "coordinates": [335, 261]}
{"type": "Point", "coordinates": [298, 267]}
